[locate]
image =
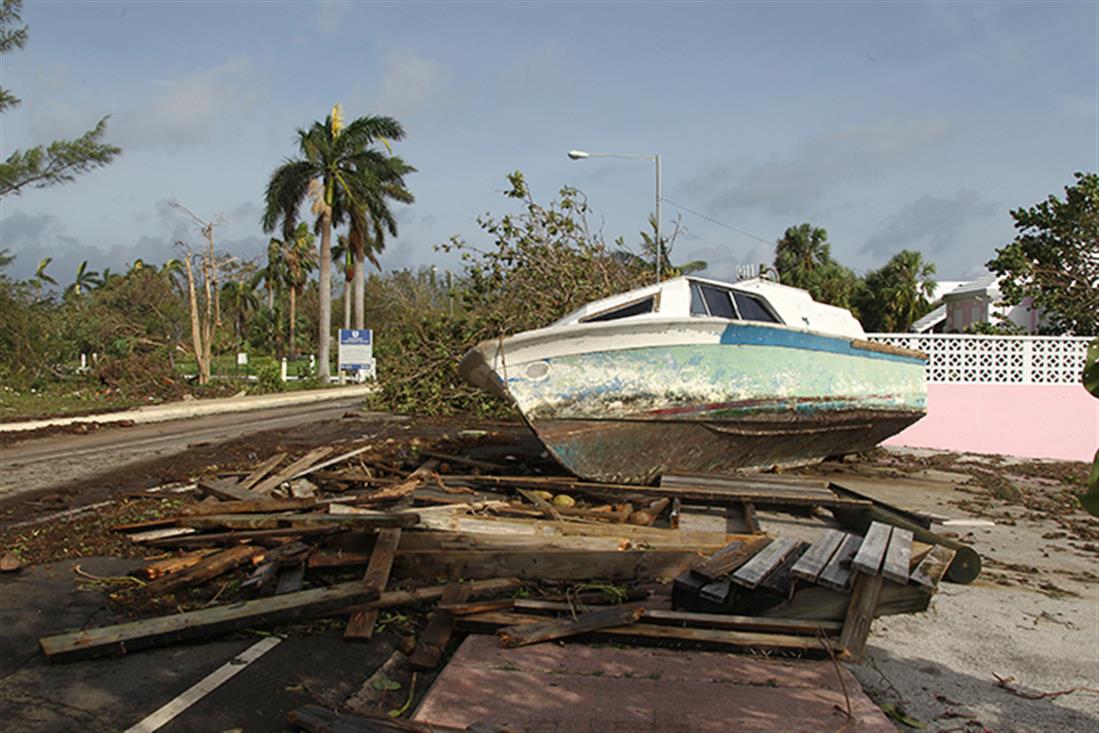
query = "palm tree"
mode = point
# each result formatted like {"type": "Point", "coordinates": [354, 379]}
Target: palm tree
{"type": "Point", "coordinates": [371, 219]}
{"type": "Point", "coordinates": [333, 162]}
{"type": "Point", "coordinates": [242, 301]}
{"type": "Point", "coordinates": [342, 254]}
{"type": "Point", "coordinates": [300, 256]}
{"type": "Point", "coordinates": [273, 274]}
{"type": "Point", "coordinates": [85, 278]}
{"type": "Point", "coordinates": [895, 295]}
{"type": "Point", "coordinates": [801, 251]}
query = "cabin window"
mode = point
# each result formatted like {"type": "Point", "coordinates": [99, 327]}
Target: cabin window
{"type": "Point", "coordinates": [698, 306]}
{"type": "Point", "coordinates": [718, 302]}
{"type": "Point", "coordinates": [636, 308]}
{"type": "Point", "coordinates": [752, 308]}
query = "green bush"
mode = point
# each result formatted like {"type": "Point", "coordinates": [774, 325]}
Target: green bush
{"type": "Point", "coordinates": [269, 379]}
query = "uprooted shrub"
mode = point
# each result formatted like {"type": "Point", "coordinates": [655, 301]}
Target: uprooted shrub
{"type": "Point", "coordinates": [543, 262]}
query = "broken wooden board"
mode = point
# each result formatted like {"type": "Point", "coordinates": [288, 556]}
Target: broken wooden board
{"type": "Point", "coordinates": [227, 490]}
{"type": "Point", "coordinates": [436, 634]}
{"type": "Point", "coordinates": [933, 567]}
{"type": "Point", "coordinates": [361, 623]}
{"type": "Point", "coordinates": [813, 561]}
{"type": "Point", "coordinates": [868, 560]}
{"type": "Point", "coordinates": [393, 598]}
{"type": "Point", "coordinates": [730, 558]}
{"type": "Point", "coordinates": [208, 567]}
{"type": "Point", "coordinates": [729, 622]}
{"type": "Point", "coordinates": [639, 632]}
{"type": "Point", "coordinates": [898, 556]}
{"type": "Point", "coordinates": [259, 506]}
{"type": "Point", "coordinates": [532, 564]}
{"type": "Point", "coordinates": [260, 471]}
{"type": "Point", "coordinates": [307, 461]}
{"type": "Point", "coordinates": [837, 573]}
{"type": "Point", "coordinates": [201, 624]}
{"type": "Point", "coordinates": [536, 633]}
{"type": "Point", "coordinates": [860, 615]}
{"type": "Point", "coordinates": [753, 572]}
{"type": "Point", "coordinates": [780, 581]}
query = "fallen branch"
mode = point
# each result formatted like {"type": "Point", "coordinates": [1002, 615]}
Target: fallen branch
{"type": "Point", "coordinates": [1005, 683]}
{"type": "Point", "coordinates": [106, 578]}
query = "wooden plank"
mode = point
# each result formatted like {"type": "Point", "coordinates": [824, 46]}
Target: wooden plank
{"type": "Point", "coordinates": [837, 573]}
{"type": "Point", "coordinates": [751, 521]}
{"type": "Point", "coordinates": [290, 579]}
{"type": "Point", "coordinates": [201, 624]}
{"type": "Point", "coordinates": [227, 490]}
{"type": "Point", "coordinates": [534, 564]}
{"type": "Point", "coordinates": [780, 581]}
{"type": "Point", "coordinates": [911, 516]}
{"type": "Point", "coordinates": [716, 592]}
{"type": "Point", "coordinates": [152, 536]}
{"type": "Point", "coordinates": [813, 602]}
{"type": "Point", "coordinates": [933, 567]}
{"type": "Point", "coordinates": [205, 569]}
{"type": "Point", "coordinates": [813, 561]}
{"type": "Point", "coordinates": [234, 538]}
{"type": "Point", "coordinates": [653, 633]}
{"type": "Point", "coordinates": [436, 634]}
{"type": "Point", "coordinates": [702, 620]}
{"type": "Point", "coordinates": [871, 552]}
{"type": "Point", "coordinates": [414, 481]}
{"type": "Point", "coordinates": [330, 462]}
{"type": "Point", "coordinates": [754, 482]}
{"type": "Point", "coordinates": [393, 598]}
{"type": "Point", "coordinates": [381, 520]}
{"type": "Point", "coordinates": [898, 555]}
{"type": "Point", "coordinates": [260, 506]}
{"type": "Point", "coordinates": [752, 573]}
{"type": "Point", "coordinates": [607, 618]}
{"type": "Point", "coordinates": [860, 615]}
{"type": "Point", "coordinates": [307, 461]}
{"type": "Point", "coordinates": [169, 565]}
{"type": "Point", "coordinates": [764, 495]}
{"type": "Point", "coordinates": [966, 566]}
{"type": "Point", "coordinates": [546, 508]}
{"type": "Point", "coordinates": [261, 470]}
{"type": "Point", "coordinates": [730, 557]}
{"type": "Point", "coordinates": [361, 623]}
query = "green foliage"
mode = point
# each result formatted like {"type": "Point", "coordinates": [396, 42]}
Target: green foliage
{"type": "Point", "coordinates": [1054, 259]}
{"type": "Point", "coordinates": [543, 262]}
{"type": "Point", "coordinates": [803, 259]}
{"type": "Point", "coordinates": [59, 161]}
{"type": "Point", "coordinates": [269, 379]}
{"type": "Point", "coordinates": [896, 295]}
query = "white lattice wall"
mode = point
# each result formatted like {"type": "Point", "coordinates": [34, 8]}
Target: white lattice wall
{"type": "Point", "coordinates": [961, 358]}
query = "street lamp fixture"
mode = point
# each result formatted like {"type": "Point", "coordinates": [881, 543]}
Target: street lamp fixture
{"type": "Point", "coordinates": [583, 154]}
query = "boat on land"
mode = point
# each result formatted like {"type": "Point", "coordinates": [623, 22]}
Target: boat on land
{"type": "Point", "coordinates": [695, 375]}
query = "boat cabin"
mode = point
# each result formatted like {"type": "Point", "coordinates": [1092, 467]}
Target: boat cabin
{"type": "Point", "coordinates": [756, 300]}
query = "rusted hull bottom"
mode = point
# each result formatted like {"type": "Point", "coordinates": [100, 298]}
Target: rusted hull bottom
{"type": "Point", "coordinates": [633, 451]}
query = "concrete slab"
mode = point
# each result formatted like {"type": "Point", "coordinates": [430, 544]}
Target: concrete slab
{"type": "Point", "coordinates": [553, 688]}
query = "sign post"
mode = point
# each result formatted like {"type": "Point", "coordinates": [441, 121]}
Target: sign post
{"type": "Point", "coordinates": [356, 353]}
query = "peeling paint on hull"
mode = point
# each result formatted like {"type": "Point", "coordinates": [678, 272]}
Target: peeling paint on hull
{"type": "Point", "coordinates": [679, 397]}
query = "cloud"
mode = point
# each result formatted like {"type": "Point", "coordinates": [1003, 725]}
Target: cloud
{"type": "Point", "coordinates": [192, 109]}
{"type": "Point", "coordinates": [931, 222]}
{"type": "Point", "coordinates": [409, 82]}
{"type": "Point", "coordinates": [330, 16]}
{"type": "Point", "coordinates": [788, 184]}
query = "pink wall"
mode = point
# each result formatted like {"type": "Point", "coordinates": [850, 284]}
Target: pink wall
{"type": "Point", "coordinates": [1027, 420]}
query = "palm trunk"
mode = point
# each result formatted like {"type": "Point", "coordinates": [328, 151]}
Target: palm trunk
{"type": "Point", "coordinates": [325, 297]}
{"type": "Point", "coordinates": [346, 304]}
{"type": "Point", "coordinates": [293, 321]}
{"type": "Point", "coordinates": [203, 368]}
{"type": "Point", "coordinates": [359, 289]}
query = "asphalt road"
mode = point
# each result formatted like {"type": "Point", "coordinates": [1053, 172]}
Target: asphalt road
{"type": "Point", "coordinates": [44, 462]}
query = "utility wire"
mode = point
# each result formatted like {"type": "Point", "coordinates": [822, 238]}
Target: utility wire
{"type": "Point", "coordinates": [715, 221]}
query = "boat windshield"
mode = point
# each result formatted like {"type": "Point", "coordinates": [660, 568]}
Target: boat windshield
{"type": "Point", "coordinates": [709, 300]}
{"type": "Point", "coordinates": [637, 308]}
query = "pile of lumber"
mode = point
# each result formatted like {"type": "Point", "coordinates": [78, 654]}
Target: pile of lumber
{"type": "Point", "coordinates": [343, 533]}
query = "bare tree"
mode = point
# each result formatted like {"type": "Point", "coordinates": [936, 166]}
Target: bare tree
{"type": "Point", "coordinates": [205, 319]}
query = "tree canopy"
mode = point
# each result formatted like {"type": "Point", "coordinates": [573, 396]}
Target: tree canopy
{"type": "Point", "coordinates": [896, 295]}
{"type": "Point", "coordinates": [803, 259]}
{"type": "Point", "coordinates": [1054, 258]}
{"type": "Point", "coordinates": [59, 161]}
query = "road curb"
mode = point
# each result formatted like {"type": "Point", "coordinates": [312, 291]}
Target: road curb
{"type": "Point", "coordinates": [197, 408]}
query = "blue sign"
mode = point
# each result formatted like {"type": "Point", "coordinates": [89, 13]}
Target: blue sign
{"type": "Point", "coordinates": [356, 337]}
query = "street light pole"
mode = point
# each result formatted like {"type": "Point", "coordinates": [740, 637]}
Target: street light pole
{"type": "Point", "coordinates": [582, 154]}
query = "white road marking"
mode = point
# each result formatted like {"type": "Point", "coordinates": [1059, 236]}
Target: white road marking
{"type": "Point", "coordinates": [205, 686]}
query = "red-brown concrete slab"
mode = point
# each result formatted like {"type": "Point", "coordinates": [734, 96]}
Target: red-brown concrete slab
{"type": "Point", "coordinates": [575, 688]}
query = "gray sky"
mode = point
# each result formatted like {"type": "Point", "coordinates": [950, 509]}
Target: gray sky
{"type": "Point", "coordinates": [892, 125]}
